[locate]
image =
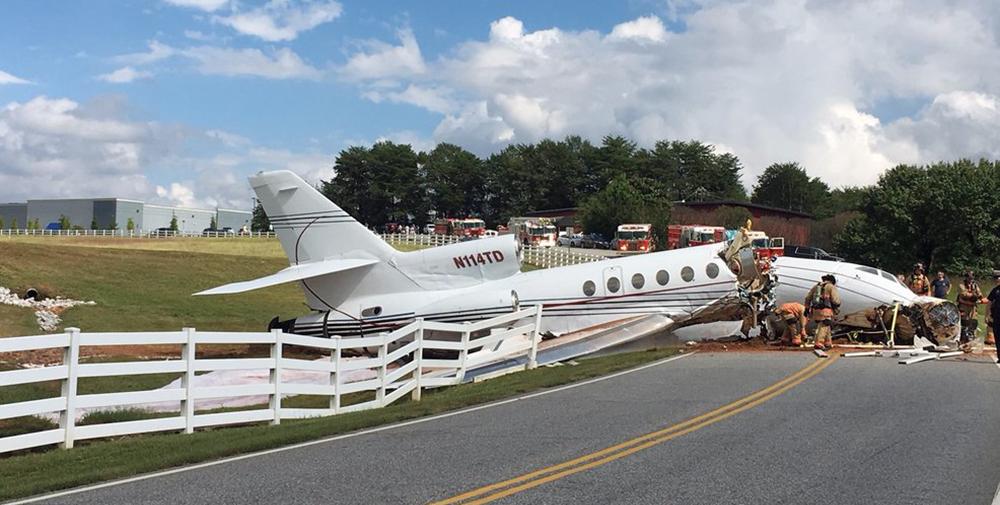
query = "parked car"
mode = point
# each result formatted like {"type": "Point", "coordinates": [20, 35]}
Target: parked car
{"type": "Point", "coordinates": [570, 240]}
{"type": "Point", "coordinates": [215, 232]}
{"type": "Point", "coordinates": [813, 253]}
{"type": "Point", "coordinates": [429, 228]}
{"type": "Point", "coordinates": [162, 232]}
{"type": "Point", "coordinates": [490, 233]}
{"type": "Point", "coordinates": [594, 241]}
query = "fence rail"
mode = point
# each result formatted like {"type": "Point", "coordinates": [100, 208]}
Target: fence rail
{"type": "Point", "coordinates": [399, 365]}
{"type": "Point", "coordinates": [8, 232]}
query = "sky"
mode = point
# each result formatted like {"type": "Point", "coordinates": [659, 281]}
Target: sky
{"type": "Point", "coordinates": [177, 101]}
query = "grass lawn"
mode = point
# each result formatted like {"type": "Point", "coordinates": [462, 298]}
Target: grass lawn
{"type": "Point", "coordinates": [39, 472]}
{"type": "Point", "coordinates": [142, 290]}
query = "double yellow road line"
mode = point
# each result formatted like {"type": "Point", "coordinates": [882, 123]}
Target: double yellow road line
{"type": "Point", "coordinates": [541, 476]}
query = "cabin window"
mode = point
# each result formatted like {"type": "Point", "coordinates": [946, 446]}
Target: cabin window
{"type": "Point", "coordinates": [638, 281]}
{"type": "Point", "coordinates": [662, 277]}
{"type": "Point", "coordinates": [371, 311]}
{"type": "Point", "coordinates": [687, 273]}
{"type": "Point", "coordinates": [589, 288]}
{"type": "Point", "coordinates": [712, 270]}
{"type": "Point", "coordinates": [614, 284]}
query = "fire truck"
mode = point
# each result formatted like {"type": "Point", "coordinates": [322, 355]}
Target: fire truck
{"type": "Point", "coordinates": [634, 238]}
{"type": "Point", "coordinates": [767, 247]}
{"type": "Point", "coordinates": [468, 227]}
{"type": "Point", "coordinates": [533, 231]}
{"type": "Point", "coordinates": [683, 235]}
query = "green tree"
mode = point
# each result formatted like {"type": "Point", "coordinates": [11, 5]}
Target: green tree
{"type": "Point", "coordinates": [942, 215]}
{"type": "Point", "coordinates": [212, 223]}
{"type": "Point", "coordinates": [260, 222]}
{"type": "Point", "coordinates": [113, 225]}
{"type": "Point", "coordinates": [788, 186]}
{"type": "Point", "coordinates": [379, 185]}
{"type": "Point", "coordinates": [621, 202]}
{"type": "Point", "coordinates": [13, 223]}
{"type": "Point", "coordinates": [64, 223]}
{"type": "Point", "coordinates": [455, 181]}
{"type": "Point", "coordinates": [730, 217]}
{"type": "Point", "coordinates": [693, 171]}
{"type": "Point", "coordinates": [130, 224]}
{"type": "Point", "coordinates": [1, 223]}
{"type": "Point", "coordinates": [173, 223]}
{"type": "Point", "coordinates": [93, 223]}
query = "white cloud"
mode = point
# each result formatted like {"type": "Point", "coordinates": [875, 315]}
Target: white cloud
{"type": "Point", "coordinates": [432, 99]}
{"type": "Point", "coordinates": [125, 75]}
{"type": "Point", "coordinates": [6, 78]}
{"type": "Point", "coordinates": [197, 35]}
{"type": "Point", "coordinates": [157, 51]}
{"type": "Point", "coordinates": [281, 20]}
{"type": "Point", "coordinates": [279, 64]}
{"type": "Point", "coordinates": [178, 194]}
{"type": "Point", "coordinates": [644, 29]}
{"type": "Point", "coordinates": [227, 138]}
{"type": "Point", "coordinates": [205, 5]}
{"type": "Point", "coordinates": [56, 147]}
{"type": "Point", "coordinates": [772, 80]}
{"type": "Point", "coordinates": [381, 60]}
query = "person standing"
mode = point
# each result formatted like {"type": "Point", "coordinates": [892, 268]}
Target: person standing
{"type": "Point", "coordinates": [823, 302]}
{"type": "Point", "coordinates": [994, 312]}
{"type": "Point", "coordinates": [969, 297]}
{"type": "Point", "coordinates": [941, 285]}
{"type": "Point", "coordinates": [918, 282]}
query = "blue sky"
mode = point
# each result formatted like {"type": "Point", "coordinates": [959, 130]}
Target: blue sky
{"type": "Point", "coordinates": [178, 100]}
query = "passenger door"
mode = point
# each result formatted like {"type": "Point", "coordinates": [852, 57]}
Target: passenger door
{"type": "Point", "coordinates": [612, 279]}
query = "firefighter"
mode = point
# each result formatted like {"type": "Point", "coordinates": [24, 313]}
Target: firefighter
{"type": "Point", "coordinates": [918, 282]}
{"type": "Point", "coordinates": [993, 315]}
{"type": "Point", "coordinates": [992, 308]}
{"type": "Point", "coordinates": [823, 302]}
{"type": "Point", "coordinates": [969, 297]}
{"type": "Point", "coordinates": [793, 315]}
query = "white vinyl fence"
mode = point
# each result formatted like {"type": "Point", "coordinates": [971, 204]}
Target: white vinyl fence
{"type": "Point", "coordinates": [133, 233]}
{"type": "Point", "coordinates": [400, 367]}
{"type": "Point", "coordinates": [419, 239]}
{"type": "Point", "coordinates": [548, 257]}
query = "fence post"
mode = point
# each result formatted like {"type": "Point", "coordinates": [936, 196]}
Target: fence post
{"type": "Point", "coordinates": [463, 356]}
{"type": "Point", "coordinates": [535, 338]}
{"type": "Point", "coordinates": [71, 359]}
{"type": "Point", "coordinates": [187, 381]}
{"type": "Point", "coordinates": [275, 403]}
{"type": "Point", "coordinates": [418, 357]}
{"type": "Point", "coordinates": [383, 354]}
{"type": "Point", "coordinates": [335, 375]}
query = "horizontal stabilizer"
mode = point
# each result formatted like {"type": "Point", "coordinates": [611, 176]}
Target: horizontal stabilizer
{"type": "Point", "coordinates": [290, 274]}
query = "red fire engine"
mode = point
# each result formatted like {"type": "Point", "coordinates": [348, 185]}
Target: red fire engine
{"type": "Point", "coordinates": [634, 238]}
{"type": "Point", "coordinates": [535, 231]}
{"type": "Point", "coordinates": [468, 227]}
{"type": "Point", "coordinates": [683, 235]}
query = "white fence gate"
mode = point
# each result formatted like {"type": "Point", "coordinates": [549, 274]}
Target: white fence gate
{"type": "Point", "coordinates": [399, 366]}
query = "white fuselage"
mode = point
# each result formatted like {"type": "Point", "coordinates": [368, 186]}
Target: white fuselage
{"type": "Point", "coordinates": [673, 283]}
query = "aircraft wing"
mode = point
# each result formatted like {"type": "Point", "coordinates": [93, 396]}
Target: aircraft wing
{"type": "Point", "coordinates": [290, 274]}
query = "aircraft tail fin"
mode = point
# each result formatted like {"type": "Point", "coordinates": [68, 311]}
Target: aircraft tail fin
{"type": "Point", "coordinates": [309, 226]}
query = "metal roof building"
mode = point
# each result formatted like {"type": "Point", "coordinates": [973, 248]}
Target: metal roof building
{"type": "Point", "coordinates": [116, 213]}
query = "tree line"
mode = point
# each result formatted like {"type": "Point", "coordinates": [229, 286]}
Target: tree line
{"type": "Point", "coordinates": [942, 215]}
{"type": "Point", "coordinates": [391, 183]}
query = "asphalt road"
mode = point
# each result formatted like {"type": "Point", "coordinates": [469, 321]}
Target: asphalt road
{"type": "Point", "coordinates": [862, 430]}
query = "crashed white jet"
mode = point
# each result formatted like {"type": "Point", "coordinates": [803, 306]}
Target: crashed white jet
{"type": "Point", "coordinates": [357, 284]}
